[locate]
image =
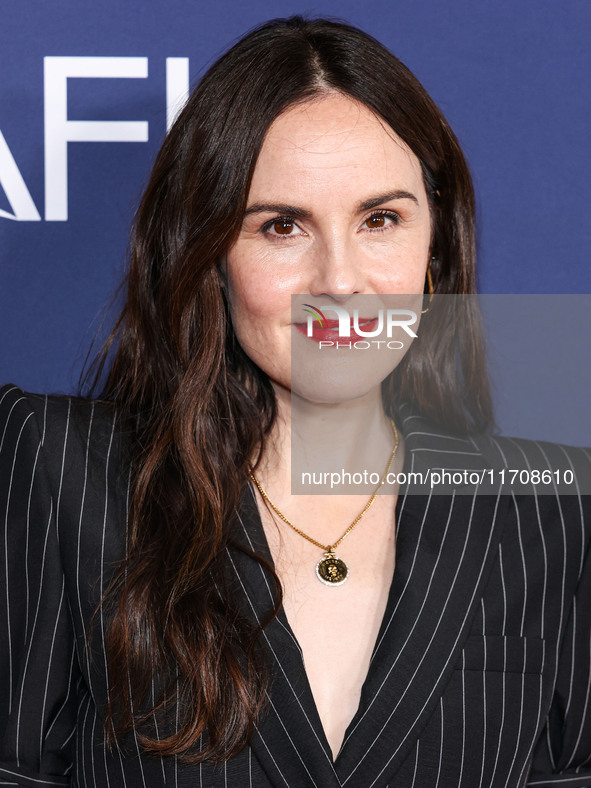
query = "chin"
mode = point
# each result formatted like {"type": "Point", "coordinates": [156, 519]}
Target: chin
{"type": "Point", "coordinates": [334, 392]}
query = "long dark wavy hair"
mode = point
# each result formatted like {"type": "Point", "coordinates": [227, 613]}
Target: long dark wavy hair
{"type": "Point", "coordinates": [200, 409]}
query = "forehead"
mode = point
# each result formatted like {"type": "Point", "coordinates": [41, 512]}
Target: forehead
{"type": "Point", "coordinates": [337, 142]}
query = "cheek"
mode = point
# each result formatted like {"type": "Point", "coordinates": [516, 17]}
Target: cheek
{"type": "Point", "coordinates": [257, 309]}
{"type": "Point", "coordinates": [399, 265]}
{"type": "Point", "coordinates": [259, 288]}
{"type": "Point", "coordinates": [415, 277]}
{"type": "Point", "coordinates": [406, 276]}
{"type": "Point", "coordinates": [247, 306]}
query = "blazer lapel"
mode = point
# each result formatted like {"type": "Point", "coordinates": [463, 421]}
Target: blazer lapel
{"type": "Point", "coordinates": [446, 545]}
{"type": "Point", "coordinates": [445, 548]}
{"type": "Point", "coordinates": [289, 742]}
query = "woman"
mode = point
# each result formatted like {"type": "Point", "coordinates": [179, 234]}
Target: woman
{"type": "Point", "coordinates": [165, 619]}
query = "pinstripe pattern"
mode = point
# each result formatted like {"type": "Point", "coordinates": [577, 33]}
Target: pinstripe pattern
{"type": "Point", "coordinates": [479, 675]}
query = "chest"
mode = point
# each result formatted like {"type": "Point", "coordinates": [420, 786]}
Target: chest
{"type": "Point", "coordinates": [336, 626]}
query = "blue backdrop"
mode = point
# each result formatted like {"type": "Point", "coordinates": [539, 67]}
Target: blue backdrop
{"type": "Point", "coordinates": [83, 109]}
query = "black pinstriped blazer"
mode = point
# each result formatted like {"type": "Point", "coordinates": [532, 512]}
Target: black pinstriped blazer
{"type": "Point", "coordinates": [480, 675]}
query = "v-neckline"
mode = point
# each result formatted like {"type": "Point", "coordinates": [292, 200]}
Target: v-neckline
{"type": "Point", "coordinates": [263, 546]}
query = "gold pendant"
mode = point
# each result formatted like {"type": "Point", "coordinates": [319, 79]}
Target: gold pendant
{"type": "Point", "coordinates": [332, 571]}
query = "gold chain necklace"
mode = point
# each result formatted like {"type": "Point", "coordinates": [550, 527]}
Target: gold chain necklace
{"type": "Point", "coordinates": [331, 569]}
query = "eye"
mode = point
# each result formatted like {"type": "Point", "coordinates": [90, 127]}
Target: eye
{"type": "Point", "coordinates": [281, 225]}
{"type": "Point", "coordinates": [381, 220]}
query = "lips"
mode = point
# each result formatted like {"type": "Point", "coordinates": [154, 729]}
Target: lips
{"type": "Point", "coordinates": [330, 331]}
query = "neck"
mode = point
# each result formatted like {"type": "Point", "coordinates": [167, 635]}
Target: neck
{"type": "Point", "coordinates": [312, 440]}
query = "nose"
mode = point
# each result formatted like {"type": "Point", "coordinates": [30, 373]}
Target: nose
{"type": "Point", "coordinates": [336, 270]}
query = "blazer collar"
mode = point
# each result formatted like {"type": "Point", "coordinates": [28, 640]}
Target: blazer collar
{"type": "Point", "coordinates": [467, 460]}
{"type": "Point", "coordinates": [445, 547]}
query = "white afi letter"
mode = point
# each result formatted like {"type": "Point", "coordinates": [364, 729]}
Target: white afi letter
{"type": "Point", "coordinates": [177, 87]}
{"type": "Point", "coordinates": [59, 130]}
{"type": "Point", "coordinates": [15, 188]}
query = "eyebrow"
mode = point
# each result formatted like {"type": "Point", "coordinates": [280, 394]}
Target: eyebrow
{"type": "Point", "coordinates": [278, 207]}
{"type": "Point", "coordinates": [397, 194]}
{"type": "Point", "coordinates": [302, 213]}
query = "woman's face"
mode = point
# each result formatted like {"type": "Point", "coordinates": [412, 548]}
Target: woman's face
{"type": "Point", "coordinates": [337, 210]}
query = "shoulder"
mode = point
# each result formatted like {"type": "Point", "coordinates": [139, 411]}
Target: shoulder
{"type": "Point", "coordinates": [67, 459]}
{"type": "Point", "coordinates": [70, 432]}
{"type": "Point", "coordinates": [53, 410]}
{"type": "Point", "coordinates": [549, 485]}
{"type": "Point", "coordinates": [530, 454]}
{"type": "Point", "coordinates": [489, 461]}
{"type": "Point", "coordinates": [550, 468]}
{"type": "Point", "coordinates": [544, 488]}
